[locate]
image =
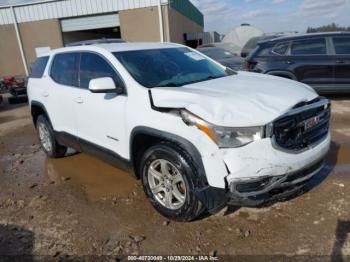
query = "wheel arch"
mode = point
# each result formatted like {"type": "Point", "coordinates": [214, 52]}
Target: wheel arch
{"type": "Point", "coordinates": [212, 198]}
{"type": "Point", "coordinates": [144, 137]}
{"type": "Point", "coordinates": [37, 109]}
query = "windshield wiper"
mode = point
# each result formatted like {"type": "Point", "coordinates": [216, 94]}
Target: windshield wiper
{"type": "Point", "coordinates": [171, 84]}
{"type": "Point", "coordinates": [230, 71]}
{"type": "Point", "coordinates": [204, 79]}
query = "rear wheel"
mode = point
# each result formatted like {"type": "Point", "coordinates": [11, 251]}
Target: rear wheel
{"type": "Point", "coordinates": [47, 139]}
{"type": "Point", "coordinates": [168, 181]}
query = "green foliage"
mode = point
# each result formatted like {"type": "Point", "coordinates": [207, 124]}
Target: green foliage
{"type": "Point", "coordinates": [327, 28]}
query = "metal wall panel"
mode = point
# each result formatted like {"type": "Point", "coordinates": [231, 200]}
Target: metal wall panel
{"type": "Point", "coordinates": [89, 22]}
{"type": "Point", "coordinates": [70, 8]}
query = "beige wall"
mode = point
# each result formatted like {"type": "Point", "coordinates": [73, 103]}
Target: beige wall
{"type": "Point", "coordinates": [136, 25]}
{"type": "Point", "coordinates": [179, 25]}
{"type": "Point", "coordinates": [39, 34]}
{"type": "Point", "coordinates": [33, 34]}
{"type": "Point", "coordinates": [10, 57]}
{"type": "Point", "coordinates": [140, 24]}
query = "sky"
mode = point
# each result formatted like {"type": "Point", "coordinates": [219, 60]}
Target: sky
{"type": "Point", "coordinates": [273, 15]}
{"type": "Point", "coordinates": [267, 15]}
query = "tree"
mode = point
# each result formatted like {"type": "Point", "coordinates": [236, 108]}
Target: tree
{"type": "Point", "coordinates": [327, 28]}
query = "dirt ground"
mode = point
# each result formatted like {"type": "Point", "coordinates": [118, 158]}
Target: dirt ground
{"type": "Point", "coordinates": [78, 206]}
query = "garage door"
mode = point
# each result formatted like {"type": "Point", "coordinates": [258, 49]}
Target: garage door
{"type": "Point", "coordinates": [90, 22]}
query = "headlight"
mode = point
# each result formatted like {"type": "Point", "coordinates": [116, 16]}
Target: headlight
{"type": "Point", "coordinates": [224, 137]}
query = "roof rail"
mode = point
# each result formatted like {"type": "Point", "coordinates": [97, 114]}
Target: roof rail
{"type": "Point", "coordinates": [97, 41]}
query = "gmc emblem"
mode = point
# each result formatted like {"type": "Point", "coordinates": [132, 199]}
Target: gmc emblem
{"type": "Point", "coordinates": [310, 123]}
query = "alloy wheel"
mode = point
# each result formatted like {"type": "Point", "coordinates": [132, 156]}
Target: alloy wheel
{"type": "Point", "coordinates": [167, 184]}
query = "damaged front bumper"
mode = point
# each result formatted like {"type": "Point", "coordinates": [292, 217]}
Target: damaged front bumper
{"type": "Point", "coordinates": [260, 174]}
{"type": "Point", "coordinates": [262, 190]}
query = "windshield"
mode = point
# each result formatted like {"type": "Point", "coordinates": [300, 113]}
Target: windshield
{"type": "Point", "coordinates": [169, 66]}
{"type": "Point", "coordinates": [216, 53]}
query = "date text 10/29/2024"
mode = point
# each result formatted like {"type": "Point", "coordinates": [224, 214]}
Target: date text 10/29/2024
{"type": "Point", "coordinates": [173, 258]}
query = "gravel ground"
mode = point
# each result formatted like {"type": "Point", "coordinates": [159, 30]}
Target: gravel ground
{"type": "Point", "coordinates": [79, 206]}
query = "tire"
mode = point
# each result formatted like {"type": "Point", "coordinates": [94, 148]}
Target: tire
{"type": "Point", "coordinates": [47, 139]}
{"type": "Point", "coordinates": [169, 160]}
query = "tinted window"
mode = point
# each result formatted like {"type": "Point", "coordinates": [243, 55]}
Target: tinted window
{"type": "Point", "coordinates": [94, 66]}
{"type": "Point", "coordinates": [309, 47]}
{"type": "Point", "coordinates": [38, 68]}
{"type": "Point", "coordinates": [169, 66]}
{"type": "Point", "coordinates": [64, 69]}
{"type": "Point", "coordinates": [280, 48]}
{"type": "Point", "coordinates": [216, 53]}
{"type": "Point", "coordinates": [263, 51]}
{"type": "Point", "coordinates": [342, 45]}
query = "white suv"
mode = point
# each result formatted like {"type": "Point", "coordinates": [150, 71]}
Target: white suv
{"type": "Point", "coordinates": [198, 135]}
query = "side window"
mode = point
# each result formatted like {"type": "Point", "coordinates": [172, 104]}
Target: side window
{"type": "Point", "coordinates": [264, 51]}
{"type": "Point", "coordinates": [309, 47]}
{"type": "Point", "coordinates": [64, 69]}
{"type": "Point", "coordinates": [280, 48]}
{"type": "Point", "coordinates": [38, 68]}
{"type": "Point", "coordinates": [342, 45]}
{"type": "Point", "coordinates": [94, 66]}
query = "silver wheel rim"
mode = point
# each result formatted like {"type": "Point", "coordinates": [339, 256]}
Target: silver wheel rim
{"type": "Point", "coordinates": [167, 184]}
{"type": "Point", "coordinates": [44, 136]}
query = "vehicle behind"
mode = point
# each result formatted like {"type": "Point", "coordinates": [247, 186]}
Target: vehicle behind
{"type": "Point", "coordinates": [253, 43]}
{"type": "Point", "coordinates": [223, 56]}
{"type": "Point", "coordinates": [319, 60]}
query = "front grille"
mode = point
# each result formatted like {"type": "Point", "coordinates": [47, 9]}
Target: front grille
{"type": "Point", "coordinates": [305, 125]}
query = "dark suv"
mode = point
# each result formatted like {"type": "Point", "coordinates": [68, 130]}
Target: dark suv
{"type": "Point", "coordinates": [321, 60]}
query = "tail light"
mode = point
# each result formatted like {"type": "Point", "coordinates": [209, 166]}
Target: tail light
{"type": "Point", "coordinates": [249, 65]}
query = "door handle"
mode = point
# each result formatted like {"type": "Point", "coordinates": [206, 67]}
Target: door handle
{"type": "Point", "coordinates": [79, 100]}
{"type": "Point", "coordinates": [340, 62]}
{"type": "Point", "coordinates": [45, 94]}
{"type": "Point", "coordinates": [289, 62]}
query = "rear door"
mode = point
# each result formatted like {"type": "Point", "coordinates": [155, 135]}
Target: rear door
{"type": "Point", "coordinates": [62, 87]}
{"type": "Point", "coordinates": [312, 62]}
{"type": "Point", "coordinates": [342, 63]}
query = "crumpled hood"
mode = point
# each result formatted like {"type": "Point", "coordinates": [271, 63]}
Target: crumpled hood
{"type": "Point", "coordinates": [245, 99]}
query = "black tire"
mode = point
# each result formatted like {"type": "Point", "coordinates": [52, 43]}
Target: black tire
{"type": "Point", "coordinates": [56, 150]}
{"type": "Point", "coordinates": [191, 207]}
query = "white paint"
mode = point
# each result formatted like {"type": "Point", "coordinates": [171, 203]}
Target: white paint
{"type": "Point", "coordinates": [241, 100]}
{"type": "Point", "coordinates": [103, 83]}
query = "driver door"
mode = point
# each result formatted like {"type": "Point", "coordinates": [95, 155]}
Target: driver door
{"type": "Point", "coordinates": [100, 116]}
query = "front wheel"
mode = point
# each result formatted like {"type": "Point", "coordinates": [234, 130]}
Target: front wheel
{"type": "Point", "coordinates": [168, 180]}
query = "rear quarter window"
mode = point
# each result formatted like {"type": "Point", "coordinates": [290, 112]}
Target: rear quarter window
{"type": "Point", "coordinates": [38, 68]}
{"type": "Point", "coordinates": [342, 45]}
{"type": "Point", "coordinates": [263, 51]}
{"type": "Point", "coordinates": [64, 69]}
{"type": "Point", "coordinates": [280, 48]}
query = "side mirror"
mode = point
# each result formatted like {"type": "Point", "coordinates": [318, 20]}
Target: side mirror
{"type": "Point", "coordinates": [103, 85]}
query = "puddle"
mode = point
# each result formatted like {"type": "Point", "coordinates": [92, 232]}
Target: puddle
{"type": "Point", "coordinates": [338, 158]}
{"type": "Point", "coordinates": [97, 178]}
